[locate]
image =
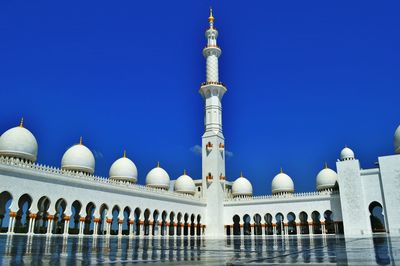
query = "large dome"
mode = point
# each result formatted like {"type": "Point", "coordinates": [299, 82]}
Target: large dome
{"type": "Point", "coordinates": [346, 154]}
{"type": "Point", "coordinates": [242, 187]}
{"type": "Point", "coordinates": [158, 178]}
{"type": "Point", "coordinates": [397, 140]}
{"type": "Point", "coordinates": [78, 158]}
{"type": "Point", "coordinates": [185, 184]}
{"type": "Point", "coordinates": [282, 183]}
{"type": "Point", "coordinates": [20, 143]}
{"type": "Point", "coordinates": [123, 169]}
{"type": "Point", "coordinates": [326, 179]}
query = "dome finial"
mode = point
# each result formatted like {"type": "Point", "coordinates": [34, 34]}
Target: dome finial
{"type": "Point", "coordinates": [124, 154]}
{"type": "Point", "coordinates": [326, 165]}
{"type": "Point", "coordinates": [211, 17]}
{"type": "Point", "coordinates": [158, 164]}
{"type": "Point", "coordinates": [241, 174]}
{"type": "Point", "coordinates": [281, 170]}
{"type": "Point", "coordinates": [21, 124]}
{"type": "Point", "coordinates": [80, 141]}
{"type": "Point", "coordinates": [184, 171]}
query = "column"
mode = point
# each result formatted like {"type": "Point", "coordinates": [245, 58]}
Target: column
{"type": "Point", "coordinates": [274, 229]}
{"type": "Point", "coordinates": [336, 228]}
{"type": "Point", "coordinates": [11, 222]}
{"type": "Point", "coordinates": [120, 223]}
{"type": "Point", "coordinates": [96, 225]}
{"type": "Point", "coordinates": [131, 229]}
{"type": "Point", "coordinates": [66, 225]}
{"type": "Point", "coordinates": [323, 228]}
{"type": "Point", "coordinates": [32, 218]}
{"type": "Point", "coordinates": [108, 226]}
{"type": "Point", "coordinates": [298, 228]}
{"type": "Point", "coordinates": [81, 225]}
{"type": "Point", "coordinates": [50, 219]}
{"type": "Point", "coordinates": [311, 227]}
{"type": "Point", "coordinates": [286, 229]}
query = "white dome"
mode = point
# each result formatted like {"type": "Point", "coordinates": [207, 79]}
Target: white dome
{"type": "Point", "coordinates": [124, 169]}
{"type": "Point", "coordinates": [158, 178]}
{"type": "Point", "coordinates": [185, 184]}
{"type": "Point", "coordinates": [346, 154]}
{"type": "Point", "coordinates": [20, 143]}
{"type": "Point", "coordinates": [78, 158]}
{"type": "Point", "coordinates": [282, 183]}
{"type": "Point", "coordinates": [242, 187]}
{"type": "Point", "coordinates": [397, 140]}
{"type": "Point", "coordinates": [326, 179]}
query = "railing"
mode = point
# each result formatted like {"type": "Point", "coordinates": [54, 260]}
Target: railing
{"type": "Point", "coordinates": [212, 83]}
{"type": "Point", "coordinates": [22, 164]}
{"type": "Point", "coordinates": [327, 192]}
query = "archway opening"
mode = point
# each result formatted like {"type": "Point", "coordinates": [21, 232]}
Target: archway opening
{"type": "Point", "coordinates": [5, 203]}
{"type": "Point", "coordinates": [329, 222]}
{"type": "Point", "coordinates": [376, 217]}
{"type": "Point", "coordinates": [198, 225]}
{"type": "Point", "coordinates": [146, 222]}
{"type": "Point", "coordinates": [164, 223]}
{"type": "Point", "coordinates": [126, 225]}
{"type": "Point", "coordinates": [246, 225]}
{"type": "Point", "coordinates": [21, 220]}
{"type": "Point", "coordinates": [75, 215]}
{"type": "Point", "coordinates": [304, 229]}
{"type": "Point", "coordinates": [268, 224]}
{"type": "Point", "coordinates": [89, 219]}
{"type": "Point", "coordinates": [280, 227]}
{"type": "Point", "coordinates": [171, 224]}
{"type": "Point", "coordinates": [316, 217]}
{"type": "Point", "coordinates": [155, 223]}
{"type": "Point", "coordinates": [115, 221]}
{"type": "Point", "coordinates": [192, 226]}
{"type": "Point", "coordinates": [257, 224]}
{"type": "Point", "coordinates": [59, 222]}
{"type": "Point", "coordinates": [101, 230]}
{"type": "Point", "coordinates": [292, 230]}
{"type": "Point", "coordinates": [137, 221]}
{"type": "Point", "coordinates": [179, 224]}
{"type": "Point", "coordinates": [236, 225]}
{"type": "Point", "coordinates": [186, 225]}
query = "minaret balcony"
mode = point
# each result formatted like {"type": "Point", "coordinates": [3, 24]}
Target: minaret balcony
{"type": "Point", "coordinates": [212, 50]}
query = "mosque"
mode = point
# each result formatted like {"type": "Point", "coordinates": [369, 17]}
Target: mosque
{"type": "Point", "coordinates": [72, 200]}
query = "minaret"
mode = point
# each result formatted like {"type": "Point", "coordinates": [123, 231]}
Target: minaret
{"type": "Point", "coordinates": [213, 142]}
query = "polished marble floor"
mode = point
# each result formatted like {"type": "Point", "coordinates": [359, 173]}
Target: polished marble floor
{"type": "Point", "coordinates": [317, 250]}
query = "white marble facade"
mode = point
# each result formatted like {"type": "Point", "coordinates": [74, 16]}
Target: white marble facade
{"type": "Point", "coordinates": [38, 199]}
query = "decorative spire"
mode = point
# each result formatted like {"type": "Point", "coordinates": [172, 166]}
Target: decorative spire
{"type": "Point", "coordinates": [184, 171]}
{"type": "Point", "coordinates": [326, 165]}
{"type": "Point", "coordinates": [124, 154]}
{"type": "Point", "coordinates": [211, 17]}
{"type": "Point", "coordinates": [21, 124]}
{"type": "Point", "coordinates": [158, 164]}
{"type": "Point", "coordinates": [80, 141]}
{"type": "Point", "coordinates": [241, 174]}
{"type": "Point", "coordinates": [281, 170]}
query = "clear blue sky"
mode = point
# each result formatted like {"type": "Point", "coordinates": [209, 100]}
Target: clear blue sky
{"type": "Point", "coordinates": [303, 78]}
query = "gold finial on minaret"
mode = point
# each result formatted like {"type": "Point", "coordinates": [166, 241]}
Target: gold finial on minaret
{"type": "Point", "coordinates": [21, 124]}
{"type": "Point", "coordinates": [184, 171]}
{"type": "Point", "coordinates": [211, 17]}
{"type": "Point", "coordinates": [124, 154]}
{"type": "Point", "coordinates": [241, 174]}
{"type": "Point", "coordinates": [80, 141]}
{"type": "Point", "coordinates": [326, 165]}
{"type": "Point", "coordinates": [158, 164]}
{"type": "Point", "coordinates": [281, 170]}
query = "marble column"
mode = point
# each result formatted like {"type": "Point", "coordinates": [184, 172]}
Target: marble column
{"type": "Point", "coordinates": [32, 219]}
{"type": "Point", "coordinates": [108, 226]}
{"type": "Point", "coordinates": [11, 222]}
{"type": "Point", "coordinates": [274, 229]}
{"type": "Point", "coordinates": [66, 225]}
{"type": "Point", "coordinates": [120, 223]}
{"type": "Point", "coordinates": [131, 228]}
{"type": "Point", "coordinates": [311, 228]}
{"type": "Point", "coordinates": [50, 220]}
{"type": "Point", "coordinates": [81, 225]}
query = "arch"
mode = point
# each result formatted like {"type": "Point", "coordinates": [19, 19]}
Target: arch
{"type": "Point", "coordinates": [236, 225]}
{"type": "Point", "coordinates": [21, 220]}
{"type": "Point", "coordinates": [126, 225]}
{"type": "Point", "coordinates": [146, 227]}
{"type": "Point", "coordinates": [75, 217]}
{"type": "Point", "coordinates": [186, 224]}
{"type": "Point", "coordinates": [171, 224]}
{"type": "Point", "coordinates": [89, 219]}
{"type": "Point", "coordinates": [101, 230]}
{"type": "Point", "coordinates": [179, 224]}
{"type": "Point", "coordinates": [316, 217]}
{"type": "Point", "coordinates": [329, 222]}
{"type": "Point", "coordinates": [257, 224]}
{"type": "Point", "coordinates": [59, 222]}
{"type": "Point", "coordinates": [246, 225]}
{"type": "Point", "coordinates": [164, 223]}
{"type": "Point", "coordinates": [376, 217]}
{"type": "Point", "coordinates": [280, 226]}
{"type": "Point", "coordinates": [155, 228]}
{"type": "Point", "coordinates": [198, 227]}
{"type": "Point", "coordinates": [192, 225]}
{"type": "Point", "coordinates": [5, 204]}
{"type": "Point", "coordinates": [269, 229]}
{"type": "Point", "coordinates": [115, 220]}
{"type": "Point", "coordinates": [292, 230]}
{"type": "Point", "coordinates": [137, 220]}
{"type": "Point", "coordinates": [304, 229]}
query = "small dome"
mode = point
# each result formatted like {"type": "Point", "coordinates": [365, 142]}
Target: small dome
{"type": "Point", "coordinates": [20, 143]}
{"type": "Point", "coordinates": [78, 158]}
{"type": "Point", "coordinates": [242, 187]}
{"type": "Point", "coordinates": [158, 178]}
{"type": "Point", "coordinates": [185, 184]}
{"type": "Point", "coordinates": [326, 179]}
{"type": "Point", "coordinates": [123, 169]}
{"type": "Point", "coordinates": [282, 183]}
{"type": "Point", "coordinates": [346, 154]}
{"type": "Point", "coordinates": [397, 140]}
